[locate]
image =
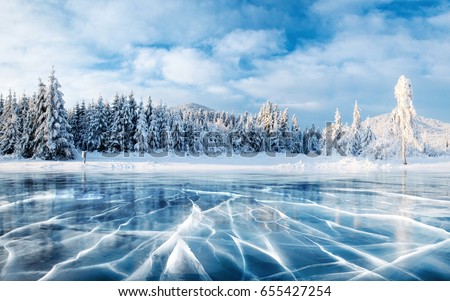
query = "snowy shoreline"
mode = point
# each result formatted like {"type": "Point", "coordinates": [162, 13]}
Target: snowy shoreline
{"type": "Point", "coordinates": [262, 162]}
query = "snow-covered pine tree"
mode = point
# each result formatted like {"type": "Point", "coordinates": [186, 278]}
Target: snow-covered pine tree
{"type": "Point", "coordinates": [141, 133]}
{"type": "Point", "coordinates": [74, 122]}
{"type": "Point", "coordinates": [40, 109]}
{"type": "Point", "coordinates": [204, 124]}
{"type": "Point", "coordinates": [108, 121]}
{"type": "Point", "coordinates": [1, 109]}
{"type": "Point", "coordinates": [28, 129]}
{"type": "Point", "coordinates": [117, 124]}
{"type": "Point", "coordinates": [130, 121]}
{"type": "Point", "coordinates": [23, 146]}
{"type": "Point", "coordinates": [1, 114]}
{"type": "Point", "coordinates": [355, 143]}
{"type": "Point", "coordinates": [404, 115]}
{"type": "Point", "coordinates": [337, 126]}
{"type": "Point", "coordinates": [159, 128]}
{"type": "Point", "coordinates": [10, 136]}
{"type": "Point", "coordinates": [272, 139]}
{"type": "Point", "coordinates": [232, 120]}
{"type": "Point", "coordinates": [101, 125]}
{"type": "Point", "coordinates": [312, 141]}
{"type": "Point", "coordinates": [198, 141]}
{"type": "Point", "coordinates": [83, 125]}
{"type": "Point", "coordinates": [91, 133]}
{"type": "Point", "coordinates": [338, 136]}
{"type": "Point", "coordinates": [177, 142]}
{"type": "Point", "coordinates": [354, 136]}
{"type": "Point", "coordinates": [367, 137]}
{"type": "Point", "coordinates": [149, 110]}
{"type": "Point", "coordinates": [253, 137]}
{"type": "Point", "coordinates": [265, 118]}
{"type": "Point", "coordinates": [356, 125]}
{"type": "Point", "coordinates": [237, 137]}
{"type": "Point", "coordinates": [296, 146]}
{"type": "Point", "coordinates": [190, 140]}
{"type": "Point", "coordinates": [227, 120]}
{"type": "Point", "coordinates": [56, 142]}
{"type": "Point", "coordinates": [284, 135]}
{"type": "Point", "coordinates": [23, 106]}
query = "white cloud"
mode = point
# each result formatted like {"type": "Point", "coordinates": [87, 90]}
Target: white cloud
{"type": "Point", "coordinates": [189, 67]}
{"type": "Point", "coordinates": [250, 43]}
{"type": "Point", "coordinates": [148, 62]}
{"type": "Point", "coordinates": [351, 66]}
{"type": "Point", "coordinates": [441, 21]}
{"type": "Point", "coordinates": [115, 25]}
{"type": "Point", "coordinates": [303, 106]}
{"type": "Point", "coordinates": [227, 57]}
{"type": "Point", "coordinates": [333, 7]}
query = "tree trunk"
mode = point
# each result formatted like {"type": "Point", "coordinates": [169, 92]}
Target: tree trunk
{"type": "Point", "coordinates": [404, 149]}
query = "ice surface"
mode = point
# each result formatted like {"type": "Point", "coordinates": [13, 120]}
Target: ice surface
{"type": "Point", "coordinates": [258, 226]}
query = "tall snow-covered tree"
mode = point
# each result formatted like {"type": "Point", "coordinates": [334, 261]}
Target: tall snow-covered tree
{"type": "Point", "coordinates": [54, 141]}
{"type": "Point", "coordinates": [149, 109]}
{"type": "Point", "coordinates": [237, 137]}
{"type": "Point", "coordinates": [296, 145]}
{"type": "Point", "coordinates": [337, 126]}
{"type": "Point", "coordinates": [367, 137]}
{"type": "Point", "coordinates": [1, 114]}
{"type": "Point", "coordinates": [141, 133]}
{"type": "Point", "coordinates": [83, 125]}
{"type": "Point", "coordinates": [117, 125]}
{"type": "Point", "coordinates": [284, 135]}
{"type": "Point", "coordinates": [101, 125]}
{"type": "Point", "coordinates": [10, 135]}
{"type": "Point", "coordinates": [159, 128]}
{"type": "Point", "coordinates": [404, 114]}
{"type": "Point", "coordinates": [177, 136]}
{"type": "Point", "coordinates": [338, 136]}
{"type": "Point", "coordinates": [1, 109]}
{"type": "Point", "coordinates": [356, 125]}
{"type": "Point", "coordinates": [108, 118]}
{"type": "Point", "coordinates": [312, 141]}
{"type": "Point", "coordinates": [74, 124]}
{"type": "Point", "coordinates": [354, 142]}
{"type": "Point", "coordinates": [25, 118]}
{"type": "Point", "coordinates": [91, 130]}
{"type": "Point", "coordinates": [23, 107]}
{"type": "Point", "coordinates": [267, 117]}
{"type": "Point", "coordinates": [29, 129]}
{"type": "Point", "coordinates": [354, 136]}
{"type": "Point", "coordinates": [271, 139]}
{"type": "Point", "coordinates": [253, 142]}
{"type": "Point", "coordinates": [40, 109]}
{"type": "Point", "coordinates": [79, 123]}
{"type": "Point", "coordinates": [130, 120]}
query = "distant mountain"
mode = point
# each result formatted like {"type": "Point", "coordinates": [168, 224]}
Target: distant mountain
{"type": "Point", "coordinates": [193, 107]}
{"type": "Point", "coordinates": [432, 134]}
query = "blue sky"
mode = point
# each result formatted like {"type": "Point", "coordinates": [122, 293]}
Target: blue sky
{"type": "Point", "coordinates": [309, 56]}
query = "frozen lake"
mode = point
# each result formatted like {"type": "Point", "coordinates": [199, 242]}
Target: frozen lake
{"type": "Point", "coordinates": [161, 226]}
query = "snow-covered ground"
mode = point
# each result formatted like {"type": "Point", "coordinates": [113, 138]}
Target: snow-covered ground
{"type": "Point", "coordinates": [261, 162]}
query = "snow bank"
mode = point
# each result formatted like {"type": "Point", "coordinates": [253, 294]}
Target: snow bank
{"type": "Point", "coordinates": [261, 163]}
{"type": "Point", "coordinates": [353, 165]}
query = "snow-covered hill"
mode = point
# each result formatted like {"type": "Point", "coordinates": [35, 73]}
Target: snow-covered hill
{"type": "Point", "coordinates": [192, 107]}
{"type": "Point", "coordinates": [433, 134]}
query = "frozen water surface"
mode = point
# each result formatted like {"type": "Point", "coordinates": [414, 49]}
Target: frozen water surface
{"type": "Point", "coordinates": [75, 226]}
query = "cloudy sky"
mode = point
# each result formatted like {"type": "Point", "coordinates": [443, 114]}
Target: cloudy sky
{"type": "Point", "coordinates": [309, 56]}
